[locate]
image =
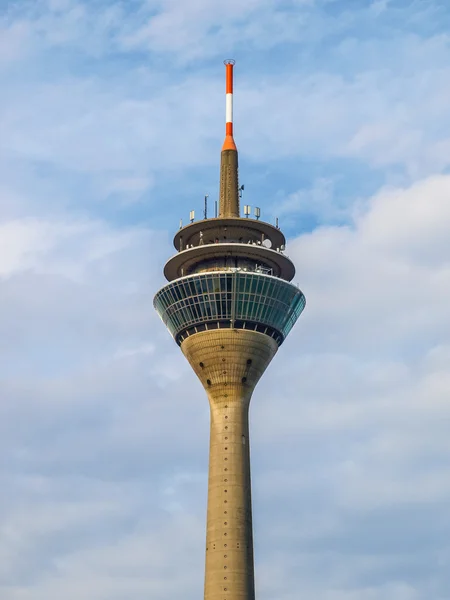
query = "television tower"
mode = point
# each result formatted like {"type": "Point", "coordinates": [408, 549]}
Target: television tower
{"type": "Point", "coordinates": [229, 305]}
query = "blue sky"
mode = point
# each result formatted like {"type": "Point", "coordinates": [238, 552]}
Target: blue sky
{"type": "Point", "coordinates": [111, 123]}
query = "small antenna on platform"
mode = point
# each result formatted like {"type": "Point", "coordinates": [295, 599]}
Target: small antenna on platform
{"type": "Point", "coordinates": [246, 210]}
{"type": "Point", "coordinates": [192, 216]}
{"type": "Point", "coordinates": [240, 190]}
{"type": "Point", "coordinates": [257, 212]}
{"type": "Point", "coordinates": [205, 212]}
{"type": "Point", "coordinates": [276, 223]}
{"type": "Point", "coordinates": [215, 209]}
{"type": "Point", "coordinates": [181, 223]}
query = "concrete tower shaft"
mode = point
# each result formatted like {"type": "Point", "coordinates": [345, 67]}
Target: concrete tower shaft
{"type": "Point", "coordinates": [229, 363]}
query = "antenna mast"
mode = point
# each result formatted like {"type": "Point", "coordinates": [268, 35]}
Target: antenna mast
{"type": "Point", "coordinates": [229, 193]}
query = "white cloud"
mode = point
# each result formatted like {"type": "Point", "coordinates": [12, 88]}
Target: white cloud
{"type": "Point", "coordinates": [318, 201]}
{"type": "Point", "coordinates": [13, 43]}
{"type": "Point", "coordinates": [379, 6]}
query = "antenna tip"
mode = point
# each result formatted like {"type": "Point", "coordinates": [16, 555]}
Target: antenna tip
{"type": "Point", "coordinates": [229, 61]}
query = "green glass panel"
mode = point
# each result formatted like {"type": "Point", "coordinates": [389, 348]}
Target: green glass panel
{"type": "Point", "coordinates": [247, 296]}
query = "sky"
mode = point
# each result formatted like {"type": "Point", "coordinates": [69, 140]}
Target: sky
{"type": "Point", "coordinates": [111, 124]}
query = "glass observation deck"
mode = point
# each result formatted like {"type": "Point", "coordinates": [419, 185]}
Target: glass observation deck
{"type": "Point", "coordinates": [237, 299]}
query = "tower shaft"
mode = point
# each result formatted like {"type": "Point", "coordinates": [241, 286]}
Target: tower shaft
{"type": "Point", "coordinates": [229, 536]}
{"type": "Point", "coordinates": [229, 363]}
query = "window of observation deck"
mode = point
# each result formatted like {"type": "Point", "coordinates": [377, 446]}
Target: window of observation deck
{"type": "Point", "coordinates": [229, 296]}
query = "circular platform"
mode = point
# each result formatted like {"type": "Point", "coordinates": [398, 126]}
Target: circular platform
{"type": "Point", "coordinates": [184, 262]}
{"type": "Point", "coordinates": [231, 229]}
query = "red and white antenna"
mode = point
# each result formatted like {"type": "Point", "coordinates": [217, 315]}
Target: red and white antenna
{"type": "Point", "coordinates": [229, 141]}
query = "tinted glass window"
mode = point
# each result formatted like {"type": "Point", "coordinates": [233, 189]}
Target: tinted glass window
{"type": "Point", "coordinates": [243, 296]}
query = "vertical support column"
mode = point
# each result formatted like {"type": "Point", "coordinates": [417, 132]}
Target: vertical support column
{"type": "Point", "coordinates": [229, 573]}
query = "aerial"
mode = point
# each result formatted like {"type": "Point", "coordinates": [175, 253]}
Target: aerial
{"type": "Point", "coordinates": [112, 122]}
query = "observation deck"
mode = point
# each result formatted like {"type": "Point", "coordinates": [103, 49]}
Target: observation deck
{"type": "Point", "coordinates": [229, 299]}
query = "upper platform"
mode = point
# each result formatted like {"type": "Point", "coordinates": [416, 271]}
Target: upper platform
{"type": "Point", "coordinates": [231, 229]}
{"type": "Point", "coordinates": [228, 255]}
{"type": "Point", "coordinates": [229, 242]}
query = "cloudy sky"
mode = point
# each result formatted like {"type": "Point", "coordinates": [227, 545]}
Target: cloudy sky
{"type": "Point", "coordinates": [111, 123]}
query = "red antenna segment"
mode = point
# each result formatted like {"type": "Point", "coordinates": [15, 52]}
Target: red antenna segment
{"type": "Point", "coordinates": [229, 141]}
